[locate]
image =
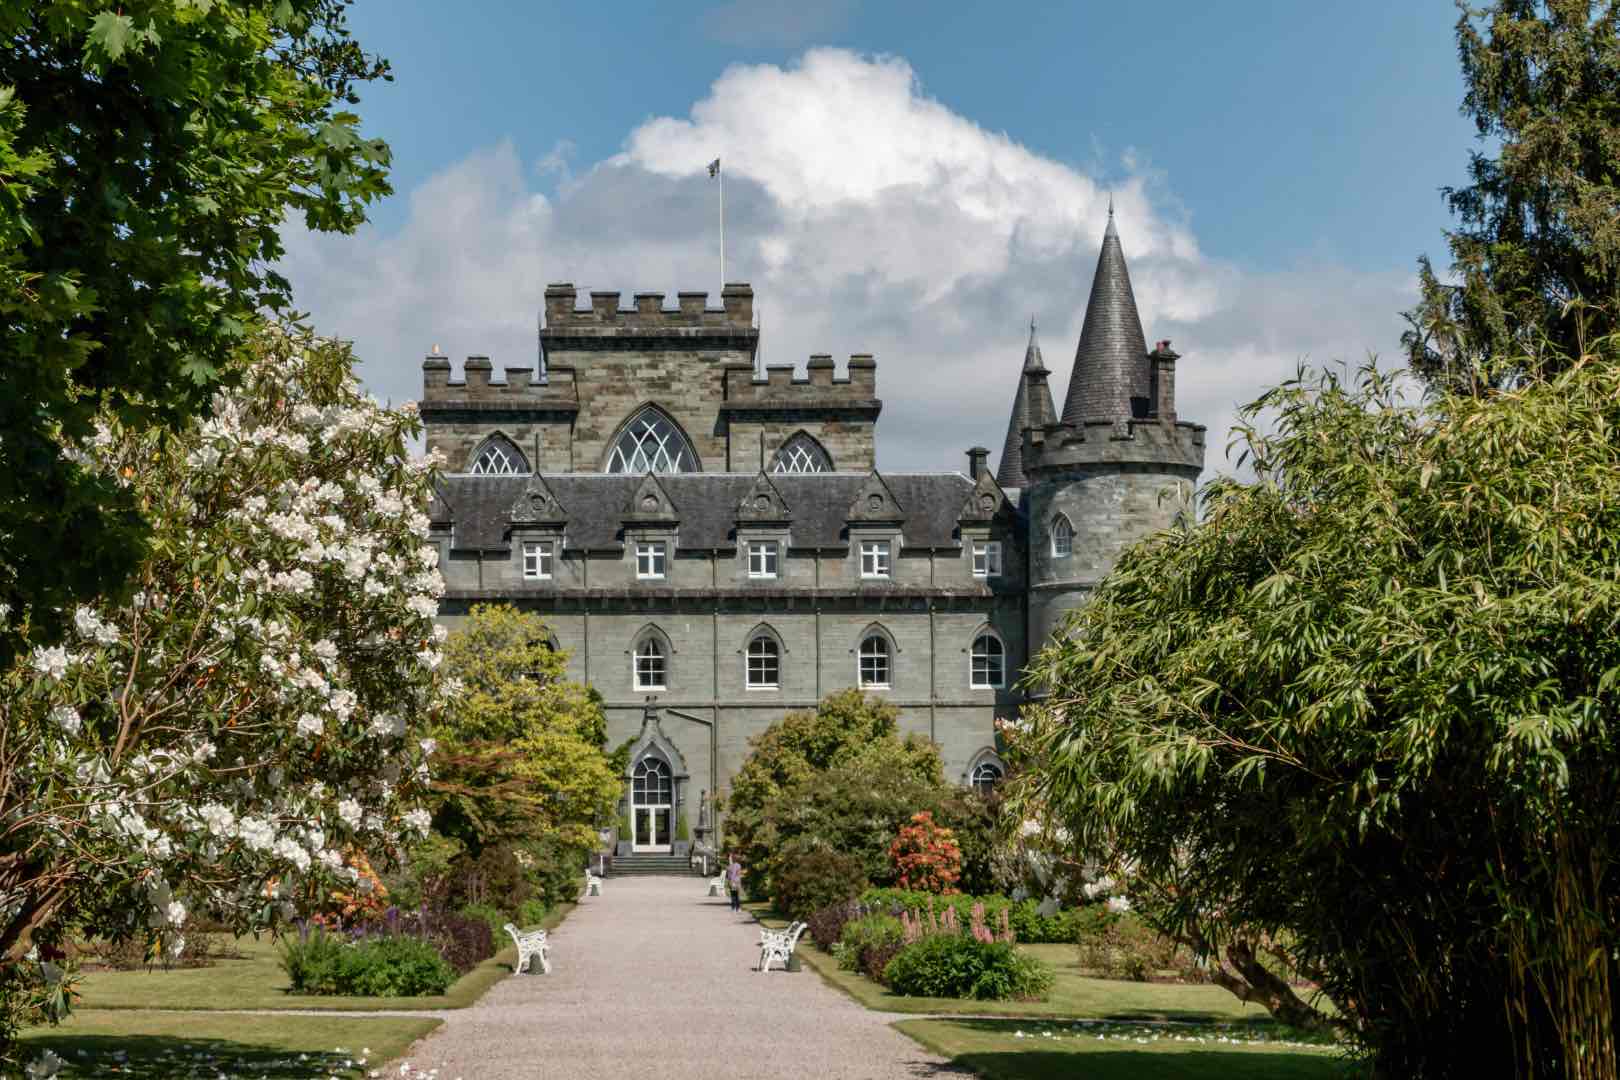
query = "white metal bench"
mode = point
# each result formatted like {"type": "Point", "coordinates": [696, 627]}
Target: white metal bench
{"type": "Point", "coordinates": [778, 945]}
{"type": "Point", "coordinates": [531, 944]}
{"type": "Point", "coordinates": [717, 886]}
{"type": "Point", "coordinates": [593, 884]}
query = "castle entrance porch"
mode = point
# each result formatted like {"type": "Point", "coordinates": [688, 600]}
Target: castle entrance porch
{"type": "Point", "coordinates": [652, 805]}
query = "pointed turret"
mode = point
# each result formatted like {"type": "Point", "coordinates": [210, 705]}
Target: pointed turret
{"type": "Point", "coordinates": [1032, 407]}
{"type": "Point", "coordinates": [1110, 378]}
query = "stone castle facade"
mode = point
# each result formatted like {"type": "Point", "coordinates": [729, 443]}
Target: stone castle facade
{"type": "Point", "coordinates": [714, 546]}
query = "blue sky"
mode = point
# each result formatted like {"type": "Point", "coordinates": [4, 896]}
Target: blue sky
{"type": "Point", "coordinates": [1277, 167]}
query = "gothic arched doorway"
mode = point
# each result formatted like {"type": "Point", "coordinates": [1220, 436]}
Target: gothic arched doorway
{"type": "Point", "coordinates": [652, 805]}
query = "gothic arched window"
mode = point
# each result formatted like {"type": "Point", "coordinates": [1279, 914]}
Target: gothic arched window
{"type": "Point", "coordinates": [498, 457]}
{"type": "Point", "coordinates": [986, 775]}
{"type": "Point", "coordinates": [989, 669]}
{"type": "Point", "coordinates": [764, 663]}
{"type": "Point", "coordinates": [651, 442]}
{"type": "Point", "coordinates": [801, 454]}
{"type": "Point", "coordinates": [875, 667]}
{"type": "Point", "coordinates": [651, 664]}
{"type": "Point", "coordinates": [1062, 537]}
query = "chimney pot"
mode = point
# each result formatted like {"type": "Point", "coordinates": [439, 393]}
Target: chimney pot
{"type": "Point", "coordinates": [978, 462]}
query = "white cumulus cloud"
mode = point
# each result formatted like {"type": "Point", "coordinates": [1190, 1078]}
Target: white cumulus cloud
{"type": "Point", "coordinates": [869, 218]}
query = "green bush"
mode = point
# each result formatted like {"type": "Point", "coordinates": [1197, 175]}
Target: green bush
{"type": "Point", "coordinates": [1123, 947]}
{"type": "Point", "coordinates": [808, 880]}
{"type": "Point", "coordinates": [494, 916]}
{"type": "Point", "coordinates": [400, 966]}
{"type": "Point", "coordinates": [531, 913]}
{"type": "Point", "coordinates": [865, 934]}
{"type": "Point", "coordinates": [960, 966]}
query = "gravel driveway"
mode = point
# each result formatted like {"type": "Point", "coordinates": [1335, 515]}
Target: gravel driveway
{"type": "Point", "coordinates": [655, 979]}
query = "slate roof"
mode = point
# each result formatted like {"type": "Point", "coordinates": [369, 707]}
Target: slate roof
{"type": "Point", "coordinates": [706, 504]}
{"type": "Point", "coordinates": [1110, 364]}
{"type": "Point", "coordinates": [1032, 407]}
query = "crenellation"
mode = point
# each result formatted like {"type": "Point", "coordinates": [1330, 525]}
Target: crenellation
{"type": "Point", "coordinates": [476, 371]}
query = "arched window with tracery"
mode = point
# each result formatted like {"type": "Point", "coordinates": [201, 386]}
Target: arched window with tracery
{"type": "Point", "coordinates": [651, 664]}
{"type": "Point", "coordinates": [801, 454]}
{"type": "Point", "coordinates": [989, 666]}
{"type": "Point", "coordinates": [764, 663]}
{"type": "Point", "coordinates": [986, 775]}
{"type": "Point", "coordinates": [651, 443]}
{"type": "Point", "coordinates": [876, 662]}
{"type": "Point", "coordinates": [1062, 537]}
{"type": "Point", "coordinates": [498, 457]}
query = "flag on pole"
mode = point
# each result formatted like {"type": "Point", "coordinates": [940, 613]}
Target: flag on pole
{"type": "Point", "coordinates": [714, 168]}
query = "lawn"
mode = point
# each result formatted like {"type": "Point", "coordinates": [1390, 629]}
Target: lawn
{"type": "Point", "coordinates": [1073, 994]}
{"type": "Point", "coordinates": [256, 981]}
{"type": "Point", "coordinates": [1046, 1050]}
{"type": "Point", "coordinates": [154, 1045]}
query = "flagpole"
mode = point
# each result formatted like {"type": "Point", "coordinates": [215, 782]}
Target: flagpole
{"type": "Point", "coordinates": [722, 178]}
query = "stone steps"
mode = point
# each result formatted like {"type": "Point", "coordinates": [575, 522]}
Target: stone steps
{"type": "Point", "coordinates": [650, 863]}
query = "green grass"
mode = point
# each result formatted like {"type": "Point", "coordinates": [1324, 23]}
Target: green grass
{"type": "Point", "coordinates": [256, 981]}
{"type": "Point", "coordinates": [1073, 994]}
{"type": "Point", "coordinates": [1048, 1050]}
{"type": "Point", "coordinates": [154, 1045]}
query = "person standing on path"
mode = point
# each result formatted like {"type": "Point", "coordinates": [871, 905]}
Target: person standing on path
{"type": "Point", "coordinates": [734, 881]}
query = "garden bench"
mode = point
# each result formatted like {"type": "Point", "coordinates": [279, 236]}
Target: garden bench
{"type": "Point", "coordinates": [717, 886]}
{"type": "Point", "coordinates": [778, 945]}
{"type": "Point", "coordinates": [593, 884]}
{"type": "Point", "coordinates": [531, 944]}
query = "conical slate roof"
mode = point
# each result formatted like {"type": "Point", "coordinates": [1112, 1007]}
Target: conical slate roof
{"type": "Point", "coordinates": [1032, 407]}
{"type": "Point", "coordinates": [1110, 364]}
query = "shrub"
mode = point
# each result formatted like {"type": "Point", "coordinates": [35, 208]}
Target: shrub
{"type": "Point", "coordinates": [926, 856]}
{"type": "Point", "coordinates": [826, 925]}
{"type": "Point", "coordinates": [1123, 947]}
{"type": "Point", "coordinates": [530, 913]}
{"type": "Point", "coordinates": [1031, 927]}
{"type": "Point", "coordinates": [809, 880]}
{"type": "Point", "coordinates": [865, 934]}
{"type": "Point", "coordinates": [491, 916]}
{"type": "Point", "coordinates": [960, 966]}
{"type": "Point", "coordinates": [398, 966]}
{"type": "Point", "coordinates": [464, 941]}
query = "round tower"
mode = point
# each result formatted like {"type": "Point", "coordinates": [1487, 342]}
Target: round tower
{"type": "Point", "coordinates": [1117, 466]}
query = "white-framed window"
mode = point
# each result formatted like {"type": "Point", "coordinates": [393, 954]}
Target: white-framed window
{"type": "Point", "coordinates": [651, 665]}
{"type": "Point", "coordinates": [763, 558]}
{"type": "Point", "coordinates": [874, 558]}
{"type": "Point", "coordinates": [498, 457]}
{"type": "Point", "coordinates": [764, 663]}
{"type": "Point", "coordinates": [987, 558]}
{"type": "Point", "coordinates": [651, 442]}
{"type": "Point", "coordinates": [986, 775]}
{"type": "Point", "coordinates": [538, 560]}
{"type": "Point", "coordinates": [651, 560]}
{"type": "Point", "coordinates": [989, 667]}
{"type": "Point", "coordinates": [876, 667]}
{"type": "Point", "coordinates": [1062, 537]}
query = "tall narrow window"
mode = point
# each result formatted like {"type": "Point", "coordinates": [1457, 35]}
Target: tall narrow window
{"type": "Point", "coordinates": [651, 560]}
{"type": "Point", "coordinates": [1062, 537]}
{"type": "Point", "coordinates": [987, 558]}
{"type": "Point", "coordinates": [498, 457]}
{"type": "Point", "coordinates": [651, 442]}
{"type": "Point", "coordinates": [764, 663]}
{"type": "Point", "coordinates": [762, 558]}
{"type": "Point", "coordinates": [651, 666]}
{"type": "Point", "coordinates": [874, 662]}
{"type": "Point", "coordinates": [801, 454]}
{"type": "Point", "coordinates": [986, 776]}
{"type": "Point", "coordinates": [989, 669]}
{"type": "Point", "coordinates": [537, 560]}
{"type": "Point", "coordinates": [874, 558]}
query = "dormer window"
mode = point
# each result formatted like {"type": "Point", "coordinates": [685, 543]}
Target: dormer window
{"type": "Point", "coordinates": [874, 558]}
{"type": "Point", "coordinates": [986, 558]}
{"type": "Point", "coordinates": [651, 560]}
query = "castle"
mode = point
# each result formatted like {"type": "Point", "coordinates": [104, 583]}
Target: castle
{"type": "Point", "coordinates": [714, 546]}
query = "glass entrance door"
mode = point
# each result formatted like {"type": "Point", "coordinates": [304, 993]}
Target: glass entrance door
{"type": "Point", "coordinates": [652, 799]}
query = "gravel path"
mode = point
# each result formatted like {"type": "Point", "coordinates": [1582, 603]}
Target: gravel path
{"type": "Point", "coordinates": [654, 979]}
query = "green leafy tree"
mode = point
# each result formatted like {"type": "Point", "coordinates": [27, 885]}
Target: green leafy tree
{"type": "Point", "coordinates": [795, 753]}
{"type": "Point", "coordinates": [1363, 717]}
{"type": "Point", "coordinates": [1539, 222]}
{"type": "Point", "coordinates": [150, 153]}
{"type": "Point", "coordinates": [520, 757]}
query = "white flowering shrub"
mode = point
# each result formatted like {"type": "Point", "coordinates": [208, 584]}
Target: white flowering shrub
{"type": "Point", "coordinates": [216, 742]}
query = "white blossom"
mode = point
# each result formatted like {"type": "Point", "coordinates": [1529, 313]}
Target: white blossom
{"type": "Point", "coordinates": [256, 833]}
{"type": "Point", "coordinates": [51, 661]}
{"type": "Point", "coordinates": [350, 812]}
{"type": "Point", "coordinates": [67, 718]}
{"type": "Point", "coordinates": [420, 820]}
{"type": "Point", "coordinates": [218, 819]}
{"type": "Point", "coordinates": [310, 725]}
{"type": "Point", "coordinates": [1118, 905]}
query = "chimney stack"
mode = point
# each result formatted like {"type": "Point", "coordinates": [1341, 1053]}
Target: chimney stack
{"type": "Point", "coordinates": [978, 463]}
